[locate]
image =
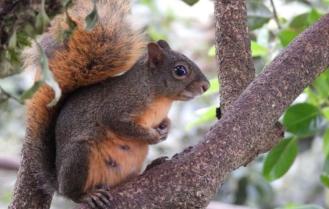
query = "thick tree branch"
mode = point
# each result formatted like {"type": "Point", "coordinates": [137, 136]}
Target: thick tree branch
{"type": "Point", "coordinates": [27, 192]}
{"type": "Point", "coordinates": [235, 64]}
{"type": "Point", "coordinates": [9, 164]}
{"type": "Point", "coordinates": [191, 178]}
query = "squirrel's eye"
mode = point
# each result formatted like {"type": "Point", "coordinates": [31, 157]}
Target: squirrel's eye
{"type": "Point", "coordinates": [180, 71]}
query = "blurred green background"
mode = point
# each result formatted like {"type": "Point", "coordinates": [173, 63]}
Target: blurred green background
{"type": "Point", "coordinates": [296, 172]}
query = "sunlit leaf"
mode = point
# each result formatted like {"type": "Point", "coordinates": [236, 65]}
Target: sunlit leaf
{"type": "Point", "coordinates": [325, 112]}
{"type": "Point", "coordinates": [299, 118]}
{"type": "Point", "coordinates": [155, 34]}
{"type": "Point", "coordinates": [212, 51]}
{"type": "Point", "coordinates": [214, 87]}
{"type": "Point", "coordinates": [326, 143]}
{"type": "Point", "coordinates": [258, 50]}
{"type": "Point", "coordinates": [286, 36]}
{"type": "Point", "coordinates": [280, 159]}
{"type": "Point", "coordinates": [206, 115]}
{"type": "Point", "coordinates": [190, 2]}
{"type": "Point", "coordinates": [325, 172]}
{"type": "Point", "coordinates": [313, 16]}
{"type": "Point", "coordinates": [290, 206]}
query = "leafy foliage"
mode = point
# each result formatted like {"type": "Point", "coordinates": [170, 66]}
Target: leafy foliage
{"type": "Point", "coordinates": [258, 14]}
{"type": "Point", "coordinates": [190, 2]}
{"type": "Point", "coordinates": [279, 160]}
{"type": "Point", "coordinates": [299, 117]}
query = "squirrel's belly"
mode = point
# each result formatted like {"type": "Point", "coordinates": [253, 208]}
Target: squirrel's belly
{"type": "Point", "coordinates": [114, 161]}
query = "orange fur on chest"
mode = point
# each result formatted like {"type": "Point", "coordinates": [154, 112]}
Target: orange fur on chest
{"type": "Point", "coordinates": [114, 159]}
{"type": "Point", "coordinates": [155, 113]}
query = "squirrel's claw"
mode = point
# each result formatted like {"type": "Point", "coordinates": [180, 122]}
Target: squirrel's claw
{"type": "Point", "coordinates": [99, 199]}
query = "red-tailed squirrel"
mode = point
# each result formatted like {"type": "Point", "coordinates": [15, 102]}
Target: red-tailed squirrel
{"type": "Point", "coordinates": [97, 136]}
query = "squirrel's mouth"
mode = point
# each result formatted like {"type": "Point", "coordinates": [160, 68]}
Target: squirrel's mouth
{"type": "Point", "coordinates": [187, 95]}
{"type": "Point", "coordinates": [193, 90]}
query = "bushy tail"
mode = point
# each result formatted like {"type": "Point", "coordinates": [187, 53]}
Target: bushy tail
{"type": "Point", "coordinates": [112, 47]}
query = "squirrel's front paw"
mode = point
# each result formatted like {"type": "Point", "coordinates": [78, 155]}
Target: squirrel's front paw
{"type": "Point", "coordinates": [159, 132]}
{"type": "Point", "coordinates": [163, 129]}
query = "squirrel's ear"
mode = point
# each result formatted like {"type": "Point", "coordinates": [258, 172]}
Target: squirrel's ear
{"type": "Point", "coordinates": [163, 44]}
{"type": "Point", "coordinates": [155, 54]}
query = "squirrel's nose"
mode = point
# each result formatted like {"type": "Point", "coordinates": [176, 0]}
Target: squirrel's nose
{"type": "Point", "coordinates": [204, 86]}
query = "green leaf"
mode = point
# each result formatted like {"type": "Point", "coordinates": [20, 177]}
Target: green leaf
{"type": "Point", "coordinates": [48, 77]}
{"type": "Point", "coordinates": [258, 50]}
{"type": "Point", "coordinates": [280, 159]}
{"type": "Point", "coordinates": [207, 114]}
{"type": "Point", "coordinates": [155, 34]}
{"type": "Point", "coordinates": [212, 51]}
{"type": "Point", "coordinates": [13, 40]}
{"type": "Point", "coordinates": [313, 16]}
{"type": "Point", "coordinates": [190, 2]}
{"type": "Point", "coordinates": [325, 173]}
{"type": "Point", "coordinates": [6, 197]}
{"type": "Point", "coordinates": [92, 18]}
{"type": "Point", "coordinates": [303, 207]}
{"type": "Point", "coordinates": [321, 85]}
{"type": "Point", "coordinates": [299, 118]}
{"type": "Point", "coordinates": [299, 22]}
{"type": "Point", "coordinates": [302, 21]}
{"type": "Point", "coordinates": [29, 93]}
{"type": "Point", "coordinates": [326, 143]}
{"type": "Point", "coordinates": [42, 19]}
{"type": "Point", "coordinates": [214, 87]}
{"type": "Point", "coordinates": [325, 112]}
{"type": "Point", "coordinates": [286, 36]}
{"type": "Point", "coordinates": [258, 14]}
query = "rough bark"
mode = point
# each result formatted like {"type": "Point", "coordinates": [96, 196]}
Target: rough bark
{"type": "Point", "coordinates": [190, 179]}
{"type": "Point", "coordinates": [27, 192]}
{"type": "Point", "coordinates": [235, 64]}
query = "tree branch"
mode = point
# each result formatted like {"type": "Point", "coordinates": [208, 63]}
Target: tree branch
{"type": "Point", "coordinates": [9, 164]}
{"type": "Point", "coordinates": [235, 64]}
{"type": "Point", "coordinates": [190, 179]}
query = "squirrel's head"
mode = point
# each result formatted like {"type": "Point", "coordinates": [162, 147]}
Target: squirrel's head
{"type": "Point", "coordinates": [174, 75]}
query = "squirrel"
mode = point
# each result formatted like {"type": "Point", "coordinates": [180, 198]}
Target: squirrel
{"type": "Point", "coordinates": [117, 91]}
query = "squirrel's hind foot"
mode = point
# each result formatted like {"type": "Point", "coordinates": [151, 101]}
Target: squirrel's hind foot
{"type": "Point", "coordinates": [98, 199]}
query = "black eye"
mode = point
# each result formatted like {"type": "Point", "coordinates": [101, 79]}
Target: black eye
{"type": "Point", "coordinates": [180, 71]}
